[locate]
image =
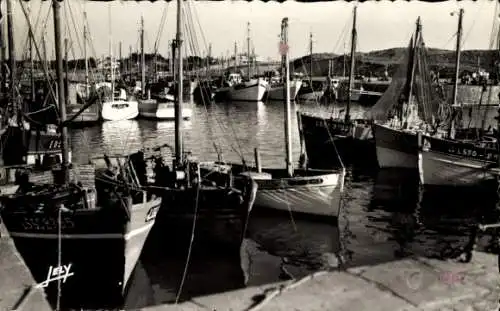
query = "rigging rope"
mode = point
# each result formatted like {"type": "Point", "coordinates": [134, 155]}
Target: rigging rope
{"type": "Point", "coordinates": [162, 26]}
{"type": "Point", "coordinates": [195, 51]}
{"type": "Point", "coordinates": [38, 52]}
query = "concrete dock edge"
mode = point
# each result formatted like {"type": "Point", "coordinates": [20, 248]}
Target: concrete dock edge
{"type": "Point", "coordinates": [18, 289]}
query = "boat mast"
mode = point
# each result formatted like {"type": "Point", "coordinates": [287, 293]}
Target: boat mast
{"type": "Point", "coordinates": [178, 102]}
{"type": "Point", "coordinates": [111, 63]}
{"type": "Point", "coordinates": [85, 54]}
{"type": "Point", "coordinates": [129, 62]}
{"type": "Point", "coordinates": [32, 77]}
{"type": "Point", "coordinates": [343, 63]}
{"type": "Point", "coordinates": [451, 130]}
{"type": "Point", "coordinates": [235, 55]}
{"type": "Point", "coordinates": [3, 58]}
{"type": "Point", "coordinates": [12, 56]}
{"type": "Point", "coordinates": [412, 74]}
{"type": "Point", "coordinates": [66, 71]}
{"type": "Point", "coordinates": [143, 67]}
{"type": "Point", "coordinates": [44, 51]}
{"type": "Point", "coordinates": [354, 36]}
{"type": "Point", "coordinates": [208, 59]}
{"type": "Point", "coordinates": [56, 6]}
{"type": "Point", "coordinates": [310, 55]}
{"type": "Point", "coordinates": [120, 69]}
{"type": "Point", "coordinates": [285, 63]}
{"type": "Point", "coordinates": [249, 64]}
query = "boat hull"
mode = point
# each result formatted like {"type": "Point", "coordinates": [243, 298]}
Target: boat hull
{"type": "Point", "coordinates": [313, 193]}
{"type": "Point", "coordinates": [102, 246]}
{"type": "Point", "coordinates": [248, 91]}
{"type": "Point", "coordinates": [395, 148]}
{"type": "Point", "coordinates": [218, 214]}
{"type": "Point", "coordinates": [120, 110]}
{"type": "Point", "coordinates": [152, 109]}
{"type": "Point", "coordinates": [331, 141]}
{"type": "Point", "coordinates": [277, 93]}
{"type": "Point", "coordinates": [446, 163]}
{"type": "Point", "coordinates": [309, 96]}
{"type": "Point", "coordinates": [40, 149]}
{"type": "Point", "coordinates": [89, 116]}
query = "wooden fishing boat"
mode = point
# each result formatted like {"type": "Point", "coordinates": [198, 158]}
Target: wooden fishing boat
{"type": "Point", "coordinates": [159, 102]}
{"type": "Point", "coordinates": [413, 98]}
{"type": "Point", "coordinates": [59, 224]}
{"type": "Point", "coordinates": [448, 160]}
{"type": "Point", "coordinates": [297, 191]}
{"type": "Point", "coordinates": [457, 163]}
{"type": "Point", "coordinates": [335, 141]}
{"type": "Point", "coordinates": [276, 92]}
{"type": "Point", "coordinates": [190, 199]}
{"type": "Point", "coordinates": [81, 93]}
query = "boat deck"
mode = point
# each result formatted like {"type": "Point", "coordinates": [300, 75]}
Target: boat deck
{"type": "Point", "coordinates": [17, 286]}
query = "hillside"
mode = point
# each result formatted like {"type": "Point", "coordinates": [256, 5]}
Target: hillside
{"type": "Point", "coordinates": [375, 62]}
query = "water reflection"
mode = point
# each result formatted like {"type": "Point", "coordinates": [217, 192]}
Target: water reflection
{"type": "Point", "coordinates": [281, 247]}
{"type": "Point", "coordinates": [120, 137]}
{"type": "Point", "coordinates": [158, 281]}
{"type": "Point", "coordinates": [432, 224]}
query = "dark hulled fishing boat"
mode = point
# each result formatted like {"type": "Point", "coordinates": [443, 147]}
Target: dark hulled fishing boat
{"type": "Point", "coordinates": [337, 141]}
{"type": "Point", "coordinates": [197, 194]}
{"type": "Point", "coordinates": [80, 244]}
{"type": "Point", "coordinates": [57, 229]}
{"type": "Point", "coordinates": [204, 91]}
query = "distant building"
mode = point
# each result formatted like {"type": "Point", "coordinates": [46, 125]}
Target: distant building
{"type": "Point", "coordinates": [105, 64]}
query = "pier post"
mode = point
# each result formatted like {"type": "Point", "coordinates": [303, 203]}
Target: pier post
{"type": "Point", "coordinates": [257, 160]}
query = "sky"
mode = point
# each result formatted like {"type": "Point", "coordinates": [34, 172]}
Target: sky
{"type": "Point", "coordinates": [380, 25]}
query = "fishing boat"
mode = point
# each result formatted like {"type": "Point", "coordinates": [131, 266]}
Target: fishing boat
{"type": "Point", "coordinates": [276, 92]}
{"type": "Point", "coordinates": [41, 150]}
{"type": "Point", "coordinates": [161, 107]}
{"type": "Point", "coordinates": [57, 226]}
{"type": "Point", "coordinates": [251, 90]}
{"type": "Point", "coordinates": [118, 107]}
{"type": "Point", "coordinates": [78, 99]}
{"type": "Point", "coordinates": [311, 90]}
{"type": "Point", "coordinates": [80, 93]}
{"type": "Point", "coordinates": [333, 141]}
{"type": "Point", "coordinates": [204, 92]}
{"type": "Point", "coordinates": [448, 160]}
{"type": "Point", "coordinates": [407, 108]}
{"type": "Point", "coordinates": [304, 192]}
{"type": "Point", "coordinates": [190, 197]}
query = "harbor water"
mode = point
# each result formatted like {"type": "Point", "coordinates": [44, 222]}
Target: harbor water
{"type": "Point", "coordinates": [384, 214]}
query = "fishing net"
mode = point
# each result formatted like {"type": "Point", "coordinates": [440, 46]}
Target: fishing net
{"type": "Point", "coordinates": [427, 101]}
{"type": "Point", "coordinates": [382, 110]}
